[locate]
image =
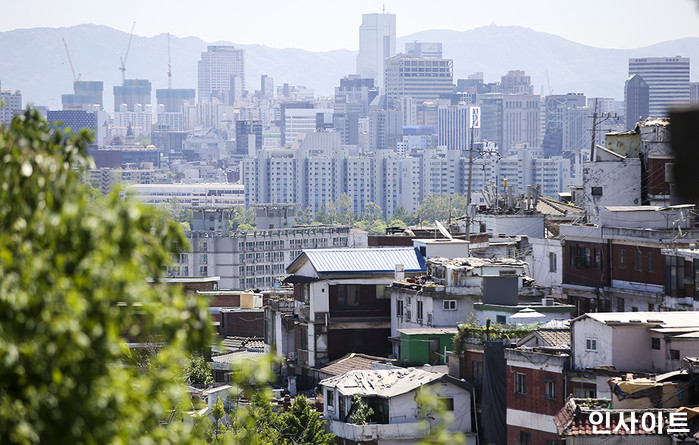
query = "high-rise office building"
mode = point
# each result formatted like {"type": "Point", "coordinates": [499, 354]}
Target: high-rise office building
{"type": "Point", "coordinates": [510, 120]}
{"type": "Point", "coordinates": [636, 99]}
{"type": "Point", "coordinates": [694, 93]}
{"type": "Point", "coordinates": [516, 82]}
{"type": "Point", "coordinates": [133, 92]}
{"type": "Point", "coordinates": [667, 79]}
{"type": "Point", "coordinates": [565, 117]}
{"type": "Point", "coordinates": [221, 73]}
{"type": "Point", "coordinates": [417, 77]}
{"type": "Point", "coordinates": [453, 128]}
{"type": "Point", "coordinates": [377, 41]}
{"type": "Point", "coordinates": [266, 86]}
{"type": "Point", "coordinates": [430, 50]}
{"type": "Point", "coordinates": [248, 136]}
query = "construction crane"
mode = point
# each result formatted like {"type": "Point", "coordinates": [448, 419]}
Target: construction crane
{"type": "Point", "coordinates": [123, 59]}
{"type": "Point", "coordinates": [75, 78]}
{"type": "Point", "coordinates": [169, 70]}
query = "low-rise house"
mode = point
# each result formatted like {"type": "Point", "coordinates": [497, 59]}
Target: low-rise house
{"type": "Point", "coordinates": [342, 304]}
{"type": "Point", "coordinates": [392, 396]}
{"type": "Point", "coordinates": [426, 346]}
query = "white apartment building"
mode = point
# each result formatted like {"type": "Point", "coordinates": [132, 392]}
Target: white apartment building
{"type": "Point", "coordinates": [190, 195]}
{"type": "Point", "coordinates": [10, 105]}
{"type": "Point", "coordinates": [303, 120]}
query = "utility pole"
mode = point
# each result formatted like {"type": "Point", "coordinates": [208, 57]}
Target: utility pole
{"type": "Point", "coordinates": [169, 70]}
{"type": "Point", "coordinates": [594, 133]}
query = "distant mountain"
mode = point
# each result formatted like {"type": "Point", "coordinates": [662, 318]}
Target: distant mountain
{"type": "Point", "coordinates": [35, 62]}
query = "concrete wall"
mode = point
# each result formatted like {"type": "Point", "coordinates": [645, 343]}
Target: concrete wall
{"type": "Point", "coordinates": [539, 266]}
{"type": "Point", "coordinates": [589, 328]}
{"type": "Point", "coordinates": [620, 182]}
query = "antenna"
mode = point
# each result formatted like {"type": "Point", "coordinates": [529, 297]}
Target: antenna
{"type": "Point", "coordinates": [126, 56]}
{"type": "Point", "coordinates": [169, 70]}
{"type": "Point", "coordinates": [75, 78]}
{"type": "Point", "coordinates": [443, 230]}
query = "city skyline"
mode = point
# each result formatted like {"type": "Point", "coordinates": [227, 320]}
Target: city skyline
{"type": "Point", "coordinates": [323, 26]}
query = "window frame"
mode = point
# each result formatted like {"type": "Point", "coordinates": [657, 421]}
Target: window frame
{"type": "Point", "coordinates": [520, 384]}
{"type": "Point", "coordinates": [591, 344]}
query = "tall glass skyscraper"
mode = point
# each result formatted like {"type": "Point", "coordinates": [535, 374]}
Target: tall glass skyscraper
{"type": "Point", "coordinates": [377, 41]}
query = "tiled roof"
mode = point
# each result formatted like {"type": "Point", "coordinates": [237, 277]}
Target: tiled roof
{"type": "Point", "coordinates": [350, 362]}
{"type": "Point", "coordinates": [555, 337]}
{"type": "Point", "coordinates": [237, 343]}
{"type": "Point", "coordinates": [365, 260]}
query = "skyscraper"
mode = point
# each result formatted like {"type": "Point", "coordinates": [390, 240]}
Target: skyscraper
{"type": "Point", "coordinates": [377, 41]}
{"type": "Point", "coordinates": [221, 72]}
{"type": "Point", "coordinates": [636, 99]}
{"type": "Point", "coordinates": [10, 105]}
{"type": "Point", "coordinates": [667, 79]}
{"type": "Point", "coordinates": [418, 77]}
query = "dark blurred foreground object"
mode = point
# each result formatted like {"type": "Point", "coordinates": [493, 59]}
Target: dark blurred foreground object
{"type": "Point", "coordinates": [684, 139]}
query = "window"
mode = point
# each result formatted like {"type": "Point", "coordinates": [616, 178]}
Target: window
{"type": "Point", "coordinates": [674, 354]}
{"type": "Point", "coordinates": [639, 261]}
{"type": "Point", "coordinates": [203, 271]}
{"type": "Point", "coordinates": [552, 262]}
{"type": "Point", "coordinates": [597, 259]}
{"type": "Point", "coordinates": [584, 393]}
{"type": "Point", "coordinates": [330, 398]}
{"type": "Point", "coordinates": [419, 311]}
{"type": "Point", "coordinates": [476, 372]}
{"type": "Point", "coordinates": [591, 344]}
{"type": "Point", "coordinates": [622, 259]}
{"type": "Point", "coordinates": [525, 438]}
{"type": "Point", "coordinates": [655, 343]}
{"type": "Point", "coordinates": [399, 308]}
{"type": "Point", "coordinates": [620, 304]}
{"type": "Point", "coordinates": [448, 403]}
{"type": "Point", "coordinates": [596, 191]}
{"type": "Point", "coordinates": [203, 258]}
{"type": "Point", "coordinates": [651, 261]}
{"type": "Point", "coordinates": [501, 319]}
{"type": "Point", "coordinates": [449, 305]}
{"type": "Point", "coordinates": [520, 383]}
{"type": "Point", "coordinates": [674, 276]}
{"type": "Point", "coordinates": [348, 296]}
{"type": "Point", "coordinates": [550, 387]}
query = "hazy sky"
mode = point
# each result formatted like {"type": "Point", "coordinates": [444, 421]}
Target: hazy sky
{"type": "Point", "coordinates": [321, 25]}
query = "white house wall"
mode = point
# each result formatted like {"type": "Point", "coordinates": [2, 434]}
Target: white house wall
{"type": "Point", "coordinates": [589, 328]}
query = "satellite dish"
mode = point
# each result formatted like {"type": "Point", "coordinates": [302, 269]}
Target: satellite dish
{"type": "Point", "coordinates": [443, 230]}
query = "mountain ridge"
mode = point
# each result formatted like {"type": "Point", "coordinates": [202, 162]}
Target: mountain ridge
{"type": "Point", "coordinates": [33, 60]}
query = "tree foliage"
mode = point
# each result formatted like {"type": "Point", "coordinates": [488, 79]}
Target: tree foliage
{"type": "Point", "coordinates": [435, 420]}
{"type": "Point", "coordinates": [198, 371]}
{"type": "Point", "coordinates": [361, 412]}
{"type": "Point", "coordinates": [441, 207]}
{"type": "Point", "coordinates": [74, 289]}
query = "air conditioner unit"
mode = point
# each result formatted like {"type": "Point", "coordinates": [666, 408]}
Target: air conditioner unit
{"type": "Point", "coordinates": [408, 315]}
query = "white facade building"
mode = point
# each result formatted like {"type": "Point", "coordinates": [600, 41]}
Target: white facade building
{"type": "Point", "coordinates": [667, 79]}
{"type": "Point", "coordinates": [377, 41]}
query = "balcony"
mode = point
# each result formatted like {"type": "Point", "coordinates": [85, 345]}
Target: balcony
{"type": "Point", "coordinates": [365, 433]}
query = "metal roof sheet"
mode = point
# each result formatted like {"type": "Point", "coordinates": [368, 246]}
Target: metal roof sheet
{"type": "Point", "coordinates": [374, 260]}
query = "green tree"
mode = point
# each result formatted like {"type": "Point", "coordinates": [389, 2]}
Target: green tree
{"type": "Point", "coordinates": [345, 213]}
{"type": "Point", "coordinates": [401, 215]}
{"type": "Point", "coordinates": [301, 424]}
{"type": "Point", "coordinates": [241, 216]}
{"type": "Point", "coordinates": [372, 212]}
{"type": "Point", "coordinates": [74, 288]}
{"type": "Point", "coordinates": [441, 207]}
{"type": "Point", "coordinates": [198, 371]}
{"type": "Point", "coordinates": [361, 412]}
